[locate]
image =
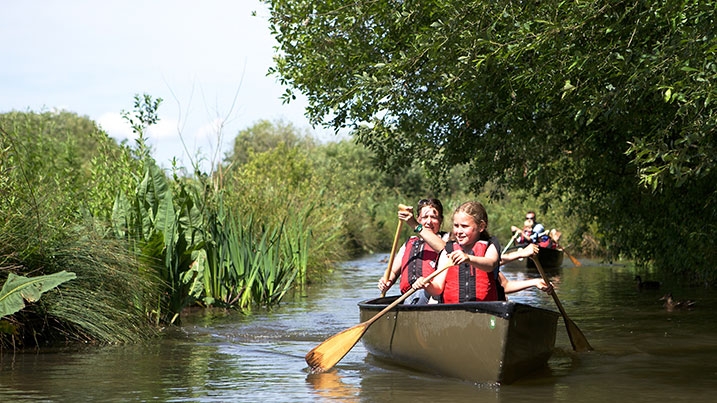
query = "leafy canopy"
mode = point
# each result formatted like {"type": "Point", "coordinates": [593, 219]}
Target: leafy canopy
{"type": "Point", "coordinates": [612, 102]}
{"type": "Point", "coordinates": [509, 79]}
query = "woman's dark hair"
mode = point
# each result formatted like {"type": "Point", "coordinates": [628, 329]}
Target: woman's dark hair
{"type": "Point", "coordinates": [435, 203]}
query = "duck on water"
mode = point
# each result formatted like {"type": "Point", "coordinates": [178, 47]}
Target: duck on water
{"type": "Point", "coordinates": [671, 304]}
{"type": "Point", "coordinates": [646, 285]}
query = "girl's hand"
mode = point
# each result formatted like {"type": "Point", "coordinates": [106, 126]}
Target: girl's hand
{"type": "Point", "coordinates": [458, 257]}
{"type": "Point", "coordinates": [384, 285]}
{"type": "Point", "coordinates": [420, 283]}
{"type": "Point", "coordinates": [543, 286]}
{"type": "Point", "coordinates": [530, 250]}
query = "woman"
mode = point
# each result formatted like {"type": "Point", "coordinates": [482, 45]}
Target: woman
{"type": "Point", "coordinates": [472, 257]}
{"type": "Point", "coordinates": [417, 258]}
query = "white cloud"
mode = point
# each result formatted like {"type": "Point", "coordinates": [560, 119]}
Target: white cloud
{"type": "Point", "coordinates": [115, 126]}
{"type": "Point", "coordinates": [118, 128]}
{"type": "Point", "coordinates": [163, 130]}
{"type": "Point", "coordinates": [210, 130]}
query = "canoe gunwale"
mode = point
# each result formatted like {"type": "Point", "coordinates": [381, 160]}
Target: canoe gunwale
{"type": "Point", "coordinates": [501, 309]}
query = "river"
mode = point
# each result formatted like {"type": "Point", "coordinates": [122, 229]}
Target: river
{"type": "Point", "coordinates": [643, 353]}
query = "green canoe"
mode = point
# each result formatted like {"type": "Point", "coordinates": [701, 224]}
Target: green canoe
{"type": "Point", "coordinates": [483, 342]}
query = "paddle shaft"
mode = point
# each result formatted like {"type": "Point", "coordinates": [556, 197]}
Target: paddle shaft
{"type": "Point", "coordinates": [511, 242]}
{"type": "Point", "coordinates": [333, 349]}
{"type": "Point", "coordinates": [575, 261]}
{"type": "Point", "coordinates": [401, 298]}
{"type": "Point", "coordinates": [393, 255]}
{"type": "Point", "coordinates": [577, 339]}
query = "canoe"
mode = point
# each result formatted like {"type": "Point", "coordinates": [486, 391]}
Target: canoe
{"type": "Point", "coordinates": [549, 258]}
{"type": "Point", "coordinates": [482, 342]}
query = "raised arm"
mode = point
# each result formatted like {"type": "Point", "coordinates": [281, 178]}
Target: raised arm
{"type": "Point", "coordinates": [405, 213]}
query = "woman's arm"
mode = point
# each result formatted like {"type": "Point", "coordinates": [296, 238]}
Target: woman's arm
{"type": "Point", "coordinates": [431, 238]}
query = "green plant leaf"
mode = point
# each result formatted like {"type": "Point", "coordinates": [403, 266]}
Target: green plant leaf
{"type": "Point", "coordinates": [18, 289]}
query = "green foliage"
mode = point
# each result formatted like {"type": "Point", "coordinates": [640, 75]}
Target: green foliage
{"type": "Point", "coordinates": [51, 219]}
{"type": "Point", "coordinates": [59, 155]}
{"type": "Point", "coordinates": [112, 297]}
{"type": "Point", "coordinates": [246, 264]}
{"type": "Point", "coordinates": [584, 102]}
{"type": "Point", "coordinates": [144, 114]}
{"type": "Point", "coordinates": [206, 252]}
{"type": "Point", "coordinates": [281, 185]}
{"type": "Point", "coordinates": [165, 230]}
{"type": "Point", "coordinates": [105, 303]}
{"type": "Point", "coordinates": [263, 136]}
{"type": "Point", "coordinates": [18, 289]}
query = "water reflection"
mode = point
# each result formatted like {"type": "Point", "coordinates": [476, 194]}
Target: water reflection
{"type": "Point", "coordinates": [328, 385]}
{"type": "Point", "coordinates": [642, 352]}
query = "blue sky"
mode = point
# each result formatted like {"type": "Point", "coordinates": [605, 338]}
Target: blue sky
{"type": "Point", "coordinates": [207, 60]}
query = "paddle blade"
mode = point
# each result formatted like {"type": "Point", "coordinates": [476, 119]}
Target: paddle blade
{"type": "Point", "coordinates": [332, 350]}
{"type": "Point", "coordinates": [576, 336]}
{"type": "Point", "coordinates": [575, 261]}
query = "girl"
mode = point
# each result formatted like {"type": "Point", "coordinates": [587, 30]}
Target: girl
{"type": "Point", "coordinates": [472, 258]}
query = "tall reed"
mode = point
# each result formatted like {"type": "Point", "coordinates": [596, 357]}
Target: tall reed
{"type": "Point", "coordinates": [251, 263]}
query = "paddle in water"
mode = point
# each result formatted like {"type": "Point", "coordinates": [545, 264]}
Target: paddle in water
{"type": "Point", "coordinates": [577, 338]}
{"type": "Point", "coordinates": [332, 350]}
{"type": "Point", "coordinates": [575, 261]}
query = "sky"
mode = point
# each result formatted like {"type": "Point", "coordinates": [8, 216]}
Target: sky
{"type": "Point", "coordinates": [207, 60]}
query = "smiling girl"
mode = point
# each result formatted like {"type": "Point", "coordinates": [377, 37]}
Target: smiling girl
{"type": "Point", "coordinates": [473, 257]}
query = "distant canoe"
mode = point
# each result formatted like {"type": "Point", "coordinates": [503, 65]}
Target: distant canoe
{"type": "Point", "coordinates": [549, 258]}
{"type": "Point", "coordinates": [483, 342]}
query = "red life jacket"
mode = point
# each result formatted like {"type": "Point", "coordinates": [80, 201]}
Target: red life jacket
{"type": "Point", "coordinates": [468, 283]}
{"type": "Point", "coordinates": [419, 260]}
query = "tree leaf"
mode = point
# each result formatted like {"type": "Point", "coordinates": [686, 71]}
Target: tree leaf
{"type": "Point", "coordinates": [18, 289]}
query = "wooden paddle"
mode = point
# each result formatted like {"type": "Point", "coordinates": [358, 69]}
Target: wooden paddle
{"type": "Point", "coordinates": [332, 350]}
{"type": "Point", "coordinates": [575, 261]}
{"type": "Point", "coordinates": [386, 275]}
{"type": "Point", "coordinates": [577, 339]}
{"type": "Point", "coordinates": [511, 242]}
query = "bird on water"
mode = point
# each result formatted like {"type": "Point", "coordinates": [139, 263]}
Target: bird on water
{"type": "Point", "coordinates": [646, 285]}
{"type": "Point", "coordinates": [671, 304]}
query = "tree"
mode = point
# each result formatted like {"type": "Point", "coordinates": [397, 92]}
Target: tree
{"type": "Point", "coordinates": [263, 136]}
{"type": "Point", "coordinates": [609, 104]}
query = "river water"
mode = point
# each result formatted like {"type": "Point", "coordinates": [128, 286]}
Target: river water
{"type": "Point", "coordinates": [643, 353]}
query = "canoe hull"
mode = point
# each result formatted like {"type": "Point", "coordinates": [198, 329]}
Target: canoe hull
{"type": "Point", "coordinates": [483, 342]}
{"type": "Point", "coordinates": [549, 258]}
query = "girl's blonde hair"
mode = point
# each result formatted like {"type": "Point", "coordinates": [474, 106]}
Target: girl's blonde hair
{"type": "Point", "coordinates": [477, 212]}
